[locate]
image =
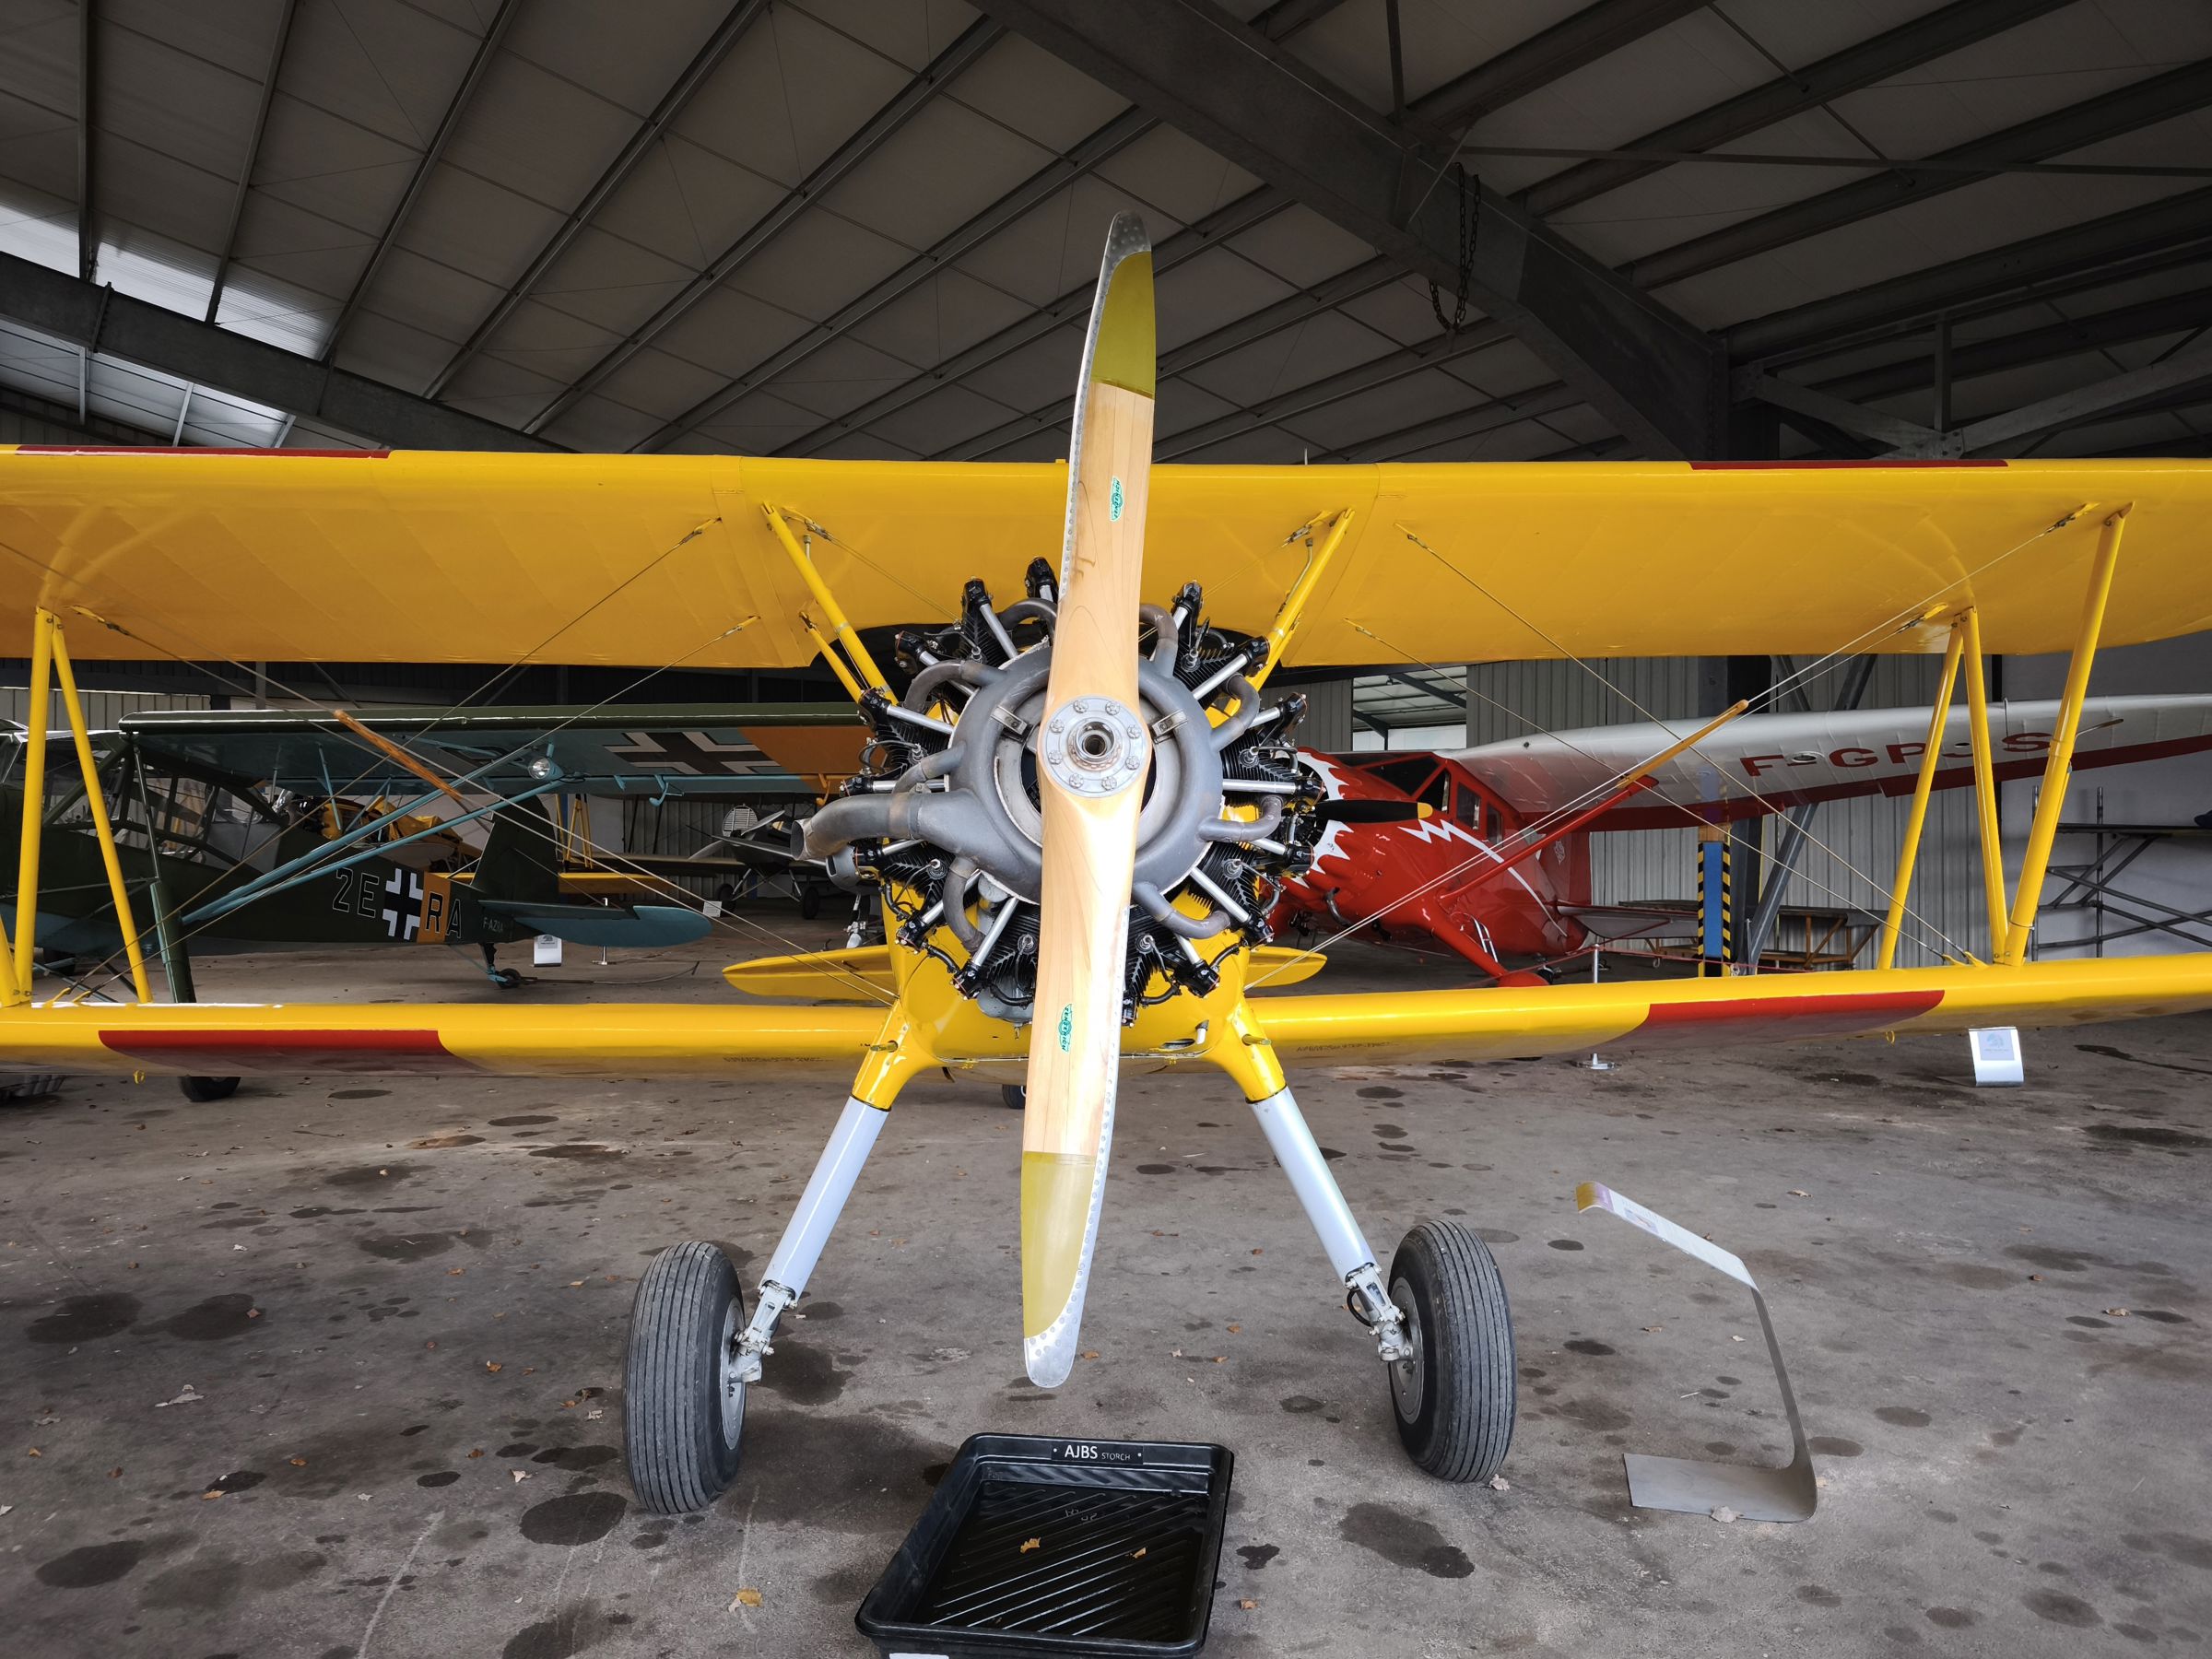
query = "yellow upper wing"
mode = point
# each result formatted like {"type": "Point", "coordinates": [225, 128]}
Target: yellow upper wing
{"type": "Point", "coordinates": [652, 560]}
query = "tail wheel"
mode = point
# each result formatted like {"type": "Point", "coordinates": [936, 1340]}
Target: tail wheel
{"type": "Point", "coordinates": [682, 1414]}
{"type": "Point", "coordinates": [200, 1090]}
{"type": "Point", "coordinates": [1453, 1398]}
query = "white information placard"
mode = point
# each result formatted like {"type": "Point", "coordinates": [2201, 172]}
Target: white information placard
{"type": "Point", "coordinates": [545, 951]}
{"type": "Point", "coordinates": [1997, 1057]}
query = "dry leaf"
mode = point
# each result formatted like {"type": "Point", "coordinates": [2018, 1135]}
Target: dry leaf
{"type": "Point", "coordinates": [1736, 1338]}
{"type": "Point", "coordinates": [1219, 1357]}
{"type": "Point", "coordinates": [520, 1474]}
{"type": "Point", "coordinates": [431, 1344]}
{"type": "Point", "coordinates": [1649, 1329]}
{"type": "Point", "coordinates": [1138, 1554]}
{"type": "Point", "coordinates": [1498, 1484]}
{"type": "Point", "coordinates": [1233, 1330]}
{"type": "Point", "coordinates": [1799, 1192]}
{"type": "Point", "coordinates": [116, 1473]}
{"type": "Point", "coordinates": [1259, 1252]}
{"type": "Point", "coordinates": [1248, 1604]}
{"type": "Point", "coordinates": [477, 1452]}
{"type": "Point", "coordinates": [253, 1313]}
{"type": "Point", "coordinates": [2035, 1278]}
{"type": "Point", "coordinates": [1723, 1514]}
{"type": "Point", "coordinates": [209, 1497]}
{"type": "Point", "coordinates": [575, 1284]}
{"type": "Point", "coordinates": [296, 1462]}
{"type": "Point", "coordinates": [491, 1365]}
{"type": "Point", "coordinates": [745, 1598]}
{"type": "Point", "coordinates": [593, 1415]}
{"type": "Point", "coordinates": [2117, 1313]}
{"type": "Point", "coordinates": [1032, 1544]}
{"type": "Point", "coordinates": [455, 1272]}
{"type": "Point", "coordinates": [34, 1451]}
{"type": "Point", "coordinates": [1089, 1354]}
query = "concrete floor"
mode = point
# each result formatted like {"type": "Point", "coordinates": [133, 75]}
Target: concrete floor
{"type": "Point", "coordinates": [392, 1297]}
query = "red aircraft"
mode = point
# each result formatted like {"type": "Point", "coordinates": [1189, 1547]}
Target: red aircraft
{"type": "Point", "coordinates": [1487, 850]}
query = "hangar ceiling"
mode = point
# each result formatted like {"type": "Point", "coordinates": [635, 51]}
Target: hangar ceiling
{"type": "Point", "coordinates": [845, 227]}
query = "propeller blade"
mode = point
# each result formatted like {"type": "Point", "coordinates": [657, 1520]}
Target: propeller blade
{"type": "Point", "coordinates": [1092, 752]}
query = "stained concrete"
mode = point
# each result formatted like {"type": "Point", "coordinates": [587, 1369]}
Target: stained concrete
{"type": "Point", "coordinates": [392, 1296]}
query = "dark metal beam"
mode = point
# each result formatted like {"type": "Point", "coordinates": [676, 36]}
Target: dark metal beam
{"type": "Point", "coordinates": [1277, 23]}
{"type": "Point", "coordinates": [88, 59]}
{"type": "Point", "coordinates": [2179, 225]}
{"type": "Point", "coordinates": [1577, 39]}
{"type": "Point", "coordinates": [2069, 336]}
{"type": "Point", "coordinates": [67, 424]}
{"type": "Point", "coordinates": [1492, 415]}
{"type": "Point", "coordinates": [1032, 192]}
{"type": "Point", "coordinates": [2129, 108]}
{"type": "Point", "coordinates": [976, 40]}
{"type": "Point", "coordinates": [253, 155]}
{"type": "Point", "coordinates": [1456, 702]}
{"type": "Point", "coordinates": [741, 16]}
{"type": "Point", "coordinates": [1286, 18]}
{"type": "Point", "coordinates": [1391, 366]}
{"type": "Point", "coordinates": [1286, 312]}
{"type": "Point", "coordinates": [1654, 375]}
{"type": "Point", "coordinates": [487, 49]}
{"type": "Point", "coordinates": [1960, 24]}
{"type": "Point", "coordinates": [100, 320]}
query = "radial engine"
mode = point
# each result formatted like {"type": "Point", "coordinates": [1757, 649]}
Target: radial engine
{"type": "Point", "coordinates": [944, 821]}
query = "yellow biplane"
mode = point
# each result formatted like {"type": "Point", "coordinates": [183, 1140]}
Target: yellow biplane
{"type": "Point", "coordinates": [1076, 809]}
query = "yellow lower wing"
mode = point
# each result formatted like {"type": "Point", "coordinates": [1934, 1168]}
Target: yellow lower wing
{"type": "Point", "coordinates": [1506, 1023]}
{"type": "Point", "coordinates": [214, 1039]}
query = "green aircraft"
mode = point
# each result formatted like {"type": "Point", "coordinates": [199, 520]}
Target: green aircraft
{"type": "Point", "coordinates": [264, 828]}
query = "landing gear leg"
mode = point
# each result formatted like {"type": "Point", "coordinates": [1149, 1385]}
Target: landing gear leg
{"type": "Point", "coordinates": [506, 979]}
{"type": "Point", "coordinates": [693, 1353]}
{"type": "Point", "coordinates": [1441, 1322]}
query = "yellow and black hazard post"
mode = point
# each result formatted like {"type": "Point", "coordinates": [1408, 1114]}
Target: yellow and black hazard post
{"type": "Point", "coordinates": [1716, 909]}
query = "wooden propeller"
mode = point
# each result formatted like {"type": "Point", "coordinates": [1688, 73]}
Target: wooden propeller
{"type": "Point", "coordinates": [1093, 753]}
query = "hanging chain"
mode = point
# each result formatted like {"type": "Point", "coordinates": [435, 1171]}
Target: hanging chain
{"type": "Point", "coordinates": [1470, 213]}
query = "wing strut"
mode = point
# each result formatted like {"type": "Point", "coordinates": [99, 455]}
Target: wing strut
{"type": "Point", "coordinates": [50, 656]}
{"type": "Point", "coordinates": [2035, 863]}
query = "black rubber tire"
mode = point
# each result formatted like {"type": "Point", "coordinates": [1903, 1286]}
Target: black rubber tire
{"type": "Point", "coordinates": [200, 1090]}
{"type": "Point", "coordinates": [810, 902]}
{"type": "Point", "coordinates": [1445, 1277]}
{"type": "Point", "coordinates": [680, 1456]}
{"type": "Point", "coordinates": [1013, 1097]}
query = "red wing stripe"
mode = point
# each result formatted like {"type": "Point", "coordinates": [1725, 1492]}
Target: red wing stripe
{"type": "Point", "coordinates": [219, 1053]}
{"type": "Point", "coordinates": [1684, 1023]}
{"type": "Point", "coordinates": [196, 449]}
{"type": "Point", "coordinates": [1897, 466]}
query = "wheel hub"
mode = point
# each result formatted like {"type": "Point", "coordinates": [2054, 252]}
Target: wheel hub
{"type": "Point", "coordinates": [731, 1379]}
{"type": "Point", "coordinates": [1409, 1377]}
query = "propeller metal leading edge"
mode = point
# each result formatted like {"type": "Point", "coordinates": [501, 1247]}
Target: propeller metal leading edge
{"type": "Point", "coordinates": [1093, 753]}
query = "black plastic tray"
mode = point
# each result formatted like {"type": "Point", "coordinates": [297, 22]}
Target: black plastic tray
{"type": "Point", "coordinates": [1128, 1539]}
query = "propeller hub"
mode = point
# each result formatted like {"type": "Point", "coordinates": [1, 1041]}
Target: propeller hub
{"type": "Point", "coordinates": [1094, 745]}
